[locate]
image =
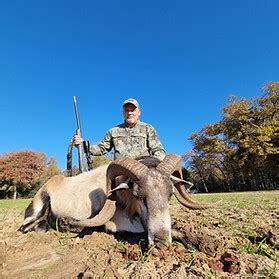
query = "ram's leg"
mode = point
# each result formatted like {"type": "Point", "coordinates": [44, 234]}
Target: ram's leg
{"type": "Point", "coordinates": [35, 217]}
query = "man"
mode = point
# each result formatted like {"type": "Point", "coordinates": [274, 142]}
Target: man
{"type": "Point", "coordinates": [132, 138]}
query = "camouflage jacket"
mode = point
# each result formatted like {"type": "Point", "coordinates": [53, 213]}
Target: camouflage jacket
{"type": "Point", "coordinates": [140, 140]}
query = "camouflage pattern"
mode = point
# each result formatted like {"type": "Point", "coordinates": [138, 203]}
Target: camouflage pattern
{"type": "Point", "coordinates": [140, 140]}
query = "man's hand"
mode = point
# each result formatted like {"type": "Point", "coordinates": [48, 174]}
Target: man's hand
{"type": "Point", "coordinates": [77, 140]}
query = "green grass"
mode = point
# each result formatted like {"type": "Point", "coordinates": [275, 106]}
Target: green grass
{"type": "Point", "coordinates": [119, 246]}
{"type": "Point", "coordinates": [241, 199]}
{"type": "Point", "coordinates": [268, 200]}
{"type": "Point", "coordinates": [19, 204]}
{"type": "Point", "coordinates": [239, 195]}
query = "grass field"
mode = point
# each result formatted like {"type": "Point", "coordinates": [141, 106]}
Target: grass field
{"type": "Point", "coordinates": [267, 199]}
{"type": "Point", "coordinates": [19, 204]}
{"type": "Point", "coordinates": [241, 199]}
{"type": "Point", "coordinates": [249, 196]}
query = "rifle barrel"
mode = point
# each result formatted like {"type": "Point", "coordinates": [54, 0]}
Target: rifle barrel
{"type": "Point", "coordinates": [77, 115]}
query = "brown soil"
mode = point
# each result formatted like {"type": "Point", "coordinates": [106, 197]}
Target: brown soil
{"type": "Point", "coordinates": [212, 243]}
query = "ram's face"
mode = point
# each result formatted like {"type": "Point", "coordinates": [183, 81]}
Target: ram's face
{"type": "Point", "coordinates": [154, 192]}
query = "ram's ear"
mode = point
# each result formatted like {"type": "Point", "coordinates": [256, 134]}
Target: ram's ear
{"type": "Point", "coordinates": [122, 186]}
{"type": "Point", "coordinates": [176, 180]}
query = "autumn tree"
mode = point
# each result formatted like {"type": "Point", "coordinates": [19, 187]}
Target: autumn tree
{"type": "Point", "coordinates": [22, 171]}
{"type": "Point", "coordinates": [51, 169]}
{"type": "Point", "coordinates": [241, 151]}
{"type": "Point", "coordinates": [100, 160]}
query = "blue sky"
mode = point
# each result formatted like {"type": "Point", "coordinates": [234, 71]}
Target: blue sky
{"type": "Point", "coordinates": [180, 59]}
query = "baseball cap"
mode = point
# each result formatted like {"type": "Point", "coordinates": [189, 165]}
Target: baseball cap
{"type": "Point", "coordinates": [131, 101]}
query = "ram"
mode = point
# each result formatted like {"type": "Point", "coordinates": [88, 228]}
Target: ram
{"type": "Point", "coordinates": [126, 195]}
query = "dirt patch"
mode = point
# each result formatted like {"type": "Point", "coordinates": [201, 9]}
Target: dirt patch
{"type": "Point", "coordinates": [220, 242]}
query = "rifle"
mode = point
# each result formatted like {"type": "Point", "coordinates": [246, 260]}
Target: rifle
{"type": "Point", "coordinates": [84, 159]}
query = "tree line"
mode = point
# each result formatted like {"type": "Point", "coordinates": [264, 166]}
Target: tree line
{"type": "Point", "coordinates": [241, 151]}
